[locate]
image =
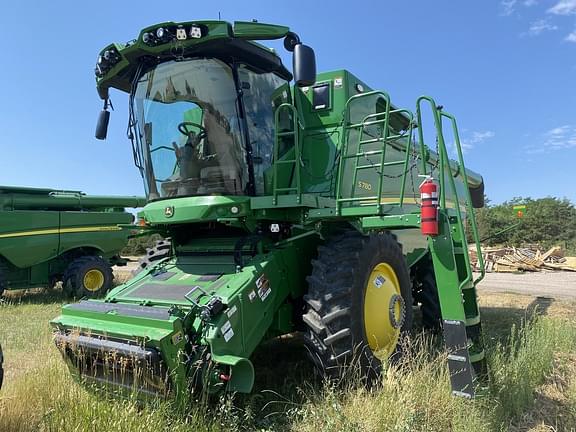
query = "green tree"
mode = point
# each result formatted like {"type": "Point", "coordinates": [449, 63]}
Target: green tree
{"type": "Point", "coordinates": [546, 222]}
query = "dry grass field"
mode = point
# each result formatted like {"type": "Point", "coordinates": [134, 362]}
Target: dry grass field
{"type": "Point", "coordinates": [531, 345]}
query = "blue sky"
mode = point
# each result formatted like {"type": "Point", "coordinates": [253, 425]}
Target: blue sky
{"type": "Point", "coordinates": [506, 69]}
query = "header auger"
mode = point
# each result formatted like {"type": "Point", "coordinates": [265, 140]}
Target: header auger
{"type": "Point", "coordinates": [288, 208]}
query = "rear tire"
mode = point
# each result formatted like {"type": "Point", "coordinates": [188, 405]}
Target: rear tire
{"type": "Point", "coordinates": [426, 295]}
{"type": "Point", "coordinates": [3, 273]}
{"type": "Point", "coordinates": [161, 249]}
{"type": "Point", "coordinates": [338, 314]}
{"type": "Point", "coordinates": [88, 276]}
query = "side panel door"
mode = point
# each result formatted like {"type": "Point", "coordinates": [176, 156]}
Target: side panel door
{"type": "Point", "coordinates": [29, 237]}
{"type": "Point", "coordinates": [97, 230]}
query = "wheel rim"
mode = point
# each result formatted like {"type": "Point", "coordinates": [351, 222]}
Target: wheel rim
{"type": "Point", "coordinates": [93, 280]}
{"type": "Point", "coordinates": [383, 309]}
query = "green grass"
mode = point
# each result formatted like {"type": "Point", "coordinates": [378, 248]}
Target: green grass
{"type": "Point", "coordinates": [532, 365]}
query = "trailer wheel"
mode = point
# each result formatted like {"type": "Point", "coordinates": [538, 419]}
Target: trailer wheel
{"type": "Point", "coordinates": [359, 305]}
{"type": "Point", "coordinates": [88, 276]}
{"type": "Point", "coordinates": [426, 295]}
{"type": "Point", "coordinates": [160, 250]}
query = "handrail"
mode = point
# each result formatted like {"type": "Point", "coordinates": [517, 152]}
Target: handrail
{"type": "Point", "coordinates": [295, 132]}
{"type": "Point", "coordinates": [369, 120]}
{"type": "Point", "coordinates": [443, 164]}
{"type": "Point", "coordinates": [469, 207]}
{"type": "Point", "coordinates": [344, 142]}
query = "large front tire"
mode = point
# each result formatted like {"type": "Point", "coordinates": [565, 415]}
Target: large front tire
{"type": "Point", "coordinates": [88, 276]}
{"type": "Point", "coordinates": [359, 305]}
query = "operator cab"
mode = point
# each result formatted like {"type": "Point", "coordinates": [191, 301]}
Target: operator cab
{"type": "Point", "coordinates": [202, 106]}
{"type": "Point", "coordinates": [196, 124]}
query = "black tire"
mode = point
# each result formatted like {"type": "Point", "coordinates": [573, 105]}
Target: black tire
{"type": "Point", "coordinates": [3, 273]}
{"type": "Point", "coordinates": [426, 295]}
{"type": "Point", "coordinates": [161, 249]}
{"type": "Point", "coordinates": [75, 277]}
{"type": "Point", "coordinates": [336, 336]}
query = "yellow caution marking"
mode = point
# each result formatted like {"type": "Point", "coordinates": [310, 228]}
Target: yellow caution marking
{"type": "Point", "coordinates": [61, 231]}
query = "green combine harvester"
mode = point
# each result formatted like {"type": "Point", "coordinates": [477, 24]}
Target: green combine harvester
{"type": "Point", "coordinates": [49, 235]}
{"type": "Point", "coordinates": [316, 207]}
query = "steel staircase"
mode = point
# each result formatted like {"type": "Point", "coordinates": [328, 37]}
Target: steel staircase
{"type": "Point", "coordinates": [454, 277]}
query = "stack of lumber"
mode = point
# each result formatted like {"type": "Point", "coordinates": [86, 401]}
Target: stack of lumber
{"type": "Point", "coordinates": [529, 258]}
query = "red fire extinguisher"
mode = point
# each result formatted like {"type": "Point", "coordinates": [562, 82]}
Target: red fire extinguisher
{"type": "Point", "coordinates": [429, 207]}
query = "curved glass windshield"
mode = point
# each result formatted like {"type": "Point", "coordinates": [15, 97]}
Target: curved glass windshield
{"type": "Point", "coordinates": [188, 131]}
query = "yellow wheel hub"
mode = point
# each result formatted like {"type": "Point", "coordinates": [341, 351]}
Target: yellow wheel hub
{"type": "Point", "coordinates": [383, 309]}
{"type": "Point", "coordinates": [93, 280]}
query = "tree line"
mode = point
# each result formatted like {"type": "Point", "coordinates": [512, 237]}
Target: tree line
{"type": "Point", "coordinates": [546, 222]}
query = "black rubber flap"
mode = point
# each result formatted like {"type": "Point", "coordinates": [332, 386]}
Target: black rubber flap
{"type": "Point", "coordinates": [461, 373]}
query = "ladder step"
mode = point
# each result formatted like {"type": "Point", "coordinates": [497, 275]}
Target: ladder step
{"type": "Point", "coordinates": [459, 364]}
{"type": "Point", "coordinates": [291, 161]}
{"type": "Point", "coordinates": [457, 358]}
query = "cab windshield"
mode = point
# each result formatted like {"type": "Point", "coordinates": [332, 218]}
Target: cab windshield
{"type": "Point", "coordinates": [188, 132]}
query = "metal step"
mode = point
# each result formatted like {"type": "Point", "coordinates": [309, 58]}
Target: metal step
{"type": "Point", "coordinates": [462, 374]}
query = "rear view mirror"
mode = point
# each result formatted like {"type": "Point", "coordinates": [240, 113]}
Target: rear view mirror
{"type": "Point", "coordinates": [102, 125]}
{"type": "Point", "coordinates": [304, 65]}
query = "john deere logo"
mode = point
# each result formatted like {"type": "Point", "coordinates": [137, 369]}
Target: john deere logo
{"type": "Point", "coordinates": [169, 211]}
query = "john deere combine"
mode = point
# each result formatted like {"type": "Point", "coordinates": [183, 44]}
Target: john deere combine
{"type": "Point", "coordinates": [316, 207]}
{"type": "Point", "coordinates": [49, 235]}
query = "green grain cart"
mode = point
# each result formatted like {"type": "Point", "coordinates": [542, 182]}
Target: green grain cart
{"type": "Point", "coordinates": [47, 236]}
{"type": "Point", "coordinates": [289, 208]}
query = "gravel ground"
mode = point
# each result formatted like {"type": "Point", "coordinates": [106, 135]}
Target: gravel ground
{"type": "Point", "coordinates": [560, 285]}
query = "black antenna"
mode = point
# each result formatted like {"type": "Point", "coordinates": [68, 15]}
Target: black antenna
{"type": "Point", "coordinates": [219, 16]}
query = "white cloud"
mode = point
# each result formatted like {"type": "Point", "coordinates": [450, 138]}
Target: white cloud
{"type": "Point", "coordinates": [475, 139]}
{"type": "Point", "coordinates": [563, 7]}
{"type": "Point", "coordinates": [508, 7]}
{"type": "Point", "coordinates": [556, 139]}
{"type": "Point", "coordinates": [540, 26]}
{"type": "Point", "coordinates": [571, 37]}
